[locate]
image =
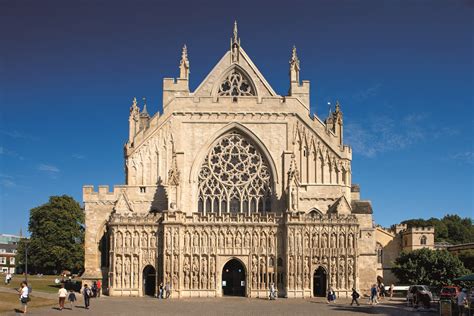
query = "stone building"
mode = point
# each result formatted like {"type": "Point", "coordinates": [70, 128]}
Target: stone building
{"type": "Point", "coordinates": [233, 187]}
{"type": "Point", "coordinates": [391, 242]}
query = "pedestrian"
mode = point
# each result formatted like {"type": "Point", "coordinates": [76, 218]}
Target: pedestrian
{"type": "Point", "coordinates": [6, 279]}
{"type": "Point", "coordinates": [99, 287]}
{"type": "Point", "coordinates": [167, 290]}
{"type": "Point", "coordinates": [382, 290]}
{"type": "Point", "coordinates": [71, 297]}
{"type": "Point", "coordinates": [87, 293]}
{"type": "Point", "coordinates": [373, 295]}
{"type": "Point", "coordinates": [160, 296]}
{"type": "Point", "coordinates": [355, 297]}
{"type": "Point", "coordinates": [272, 292]}
{"type": "Point", "coordinates": [24, 295]}
{"type": "Point", "coordinates": [331, 295]}
{"type": "Point", "coordinates": [391, 290]}
{"type": "Point", "coordinates": [62, 293]}
{"type": "Point", "coordinates": [462, 301]}
{"type": "Point", "coordinates": [94, 289]}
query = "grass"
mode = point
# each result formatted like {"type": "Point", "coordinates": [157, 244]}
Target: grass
{"type": "Point", "coordinates": [10, 302]}
{"type": "Point", "coordinates": [44, 283]}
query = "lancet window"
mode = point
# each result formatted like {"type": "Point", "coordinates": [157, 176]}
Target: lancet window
{"type": "Point", "coordinates": [235, 177]}
{"type": "Point", "coordinates": [236, 84]}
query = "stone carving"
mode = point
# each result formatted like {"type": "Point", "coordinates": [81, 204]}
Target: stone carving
{"type": "Point", "coordinates": [187, 271]}
{"type": "Point", "coordinates": [195, 272]}
{"type": "Point", "coordinates": [127, 271]}
{"type": "Point", "coordinates": [136, 272]}
{"type": "Point", "coordinates": [350, 274]}
{"type": "Point", "coordinates": [325, 240]}
{"type": "Point", "coordinates": [144, 240]}
{"type": "Point", "coordinates": [333, 240]}
{"type": "Point", "coordinates": [196, 239]}
{"type": "Point", "coordinates": [152, 240]}
{"type": "Point", "coordinates": [315, 240]}
{"type": "Point", "coordinates": [212, 273]}
{"type": "Point", "coordinates": [136, 240]}
{"type": "Point", "coordinates": [187, 239]}
{"type": "Point", "coordinates": [118, 272]}
{"type": "Point", "coordinates": [238, 240]}
{"type": "Point", "coordinates": [176, 239]}
{"type": "Point", "coordinates": [342, 241]}
{"type": "Point", "coordinates": [119, 240]}
{"type": "Point", "coordinates": [168, 239]}
{"type": "Point", "coordinates": [128, 239]}
{"type": "Point", "coordinates": [341, 271]}
{"type": "Point", "coordinates": [254, 271]}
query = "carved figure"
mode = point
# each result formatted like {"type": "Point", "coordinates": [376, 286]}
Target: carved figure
{"type": "Point", "coordinates": [118, 272]}
{"type": "Point", "coordinates": [119, 240]}
{"type": "Point", "coordinates": [342, 241]}
{"type": "Point", "coordinates": [294, 199]}
{"type": "Point", "coordinates": [135, 272]}
{"type": "Point", "coordinates": [315, 240]}
{"type": "Point", "coordinates": [238, 240]}
{"type": "Point", "coordinates": [325, 240]}
{"type": "Point", "coordinates": [333, 240]}
{"type": "Point", "coordinates": [136, 240]}
{"type": "Point", "coordinates": [186, 270]}
{"type": "Point", "coordinates": [127, 272]}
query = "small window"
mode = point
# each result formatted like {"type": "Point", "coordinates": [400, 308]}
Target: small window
{"type": "Point", "coordinates": [379, 253]}
{"type": "Point", "coordinates": [142, 189]}
{"type": "Point", "coordinates": [423, 240]}
{"type": "Point", "coordinates": [280, 262]}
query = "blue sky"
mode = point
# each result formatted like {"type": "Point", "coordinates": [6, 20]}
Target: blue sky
{"type": "Point", "coordinates": [402, 70]}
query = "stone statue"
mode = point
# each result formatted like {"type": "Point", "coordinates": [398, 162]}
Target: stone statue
{"type": "Point", "coordinates": [325, 240]}
{"type": "Point", "coordinates": [350, 273]}
{"type": "Point", "coordinates": [136, 240]}
{"type": "Point", "coordinates": [247, 240]}
{"type": "Point", "coordinates": [175, 281]}
{"type": "Point", "coordinates": [136, 272]}
{"type": "Point", "coordinates": [315, 240]}
{"type": "Point", "coordinates": [229, 239]}
{"type": "Point", "coordinates": [186, 240]}
{"type": "Point", "coordinates": [238, 240]}
{"type": "Point", "coordinates": [212, 241]}
{"type": "Point", "coordinates": [127, 272]}
{"type": "Point", "coordinates": [168, 239]}
{"type": "Point", "coordinates": [292, 265]}
{"type": "Point", "coordinates": [203, 280]}
{"type": "Point", "coordinates": [350, 241]}
{"type": "Point", "coordinates": [298, 241]}
{"type": "Point", "coordinates": [144, 240]}
{"type": "Point", "coordinates": [196, 239]}
{"type": "Point", "coordinates": [255, 240]}
{"type": "Point", "coordinates": [118, 272]}
{"type": "Point", "coordinates": [294, 199]}
{"type": "Point", "coordinates": [262, 266]}
{"type": "Point", "coordinates": [333, 241]}
{"type": "Point", "coordinates": [175, 263]}
{"type": "Point", "coordinates": [204, 239]}
{"type": "Point", "coordinates": [128, 239]}
{"type": "Point", "coordinates": [291, 242]}
{"type": "Point", "coordinates": [152, 240]}
{"type": "Point", "coordinates": [221, 239]}
{"type": "Point", "coordinates": [341, 274]}
{"type": "Point", "coordinates": [263, 242]}
{"type": "Point", "coordinates": [168, 263]}
{"type": "Point", "coordinates": [306, 241]}
{"type": "Point", "coordinates": [175, 240]}
{"type": "Point", "coordinates": [341, 241]}
{"type": "Point", "coordinates": [119, 240]}
{"type": "Point", "coordinates": [186, 270]}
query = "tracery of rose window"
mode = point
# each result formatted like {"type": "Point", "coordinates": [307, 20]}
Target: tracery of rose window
{"type": "Point", "coordinates": [236, 84]}
{"type": "Point", "coordinates": [234, 177]}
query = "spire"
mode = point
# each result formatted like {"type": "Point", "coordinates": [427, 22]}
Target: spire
{"type": "Point", "coordinates": [235, 45]}
{"type": "Point", "coordinates": [144, 111]}
{"type": "Point", "coordinates": [235, 32]}
{"type": "Point", "coordinates": [294, 66]}
{"type": "Point", "coordinates": [184, 64]}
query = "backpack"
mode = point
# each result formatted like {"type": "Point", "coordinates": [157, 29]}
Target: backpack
{"type": "Point", "coordinates": [88, 292]}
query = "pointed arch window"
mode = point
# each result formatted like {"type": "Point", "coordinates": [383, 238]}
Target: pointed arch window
{"type": "Point", "coordinates": [234, 177]}
{"type": "Point", "coordinates": [236, 84]}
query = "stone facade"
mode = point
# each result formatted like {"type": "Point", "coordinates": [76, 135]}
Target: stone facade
{"type": "Point", "coordinates": [391, 242]}
{"type": "Point", "coordinates": [232, 172]}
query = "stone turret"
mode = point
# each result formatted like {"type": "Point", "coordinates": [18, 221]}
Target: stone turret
{"type": "Point", "coordinates": [134, 121]}
{"type": "Point", "coordinates": [300, 91]}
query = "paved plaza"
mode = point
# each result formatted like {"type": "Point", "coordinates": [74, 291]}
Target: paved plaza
{"type": "Point", "coordinates": [228, 306]}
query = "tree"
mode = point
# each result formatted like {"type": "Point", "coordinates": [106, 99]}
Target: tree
{"type": "Point", "coordinates": [57, 237]}
{"type": "Point", "coordinates": [430, 267]}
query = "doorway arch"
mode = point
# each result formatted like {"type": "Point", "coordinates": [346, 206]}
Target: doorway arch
{"type": "Point", "coordinates": [149, 281]}
{"type": "Point", "coordinates": [233, 278]}
{"type": "Point", "coordinates": [320, 282]}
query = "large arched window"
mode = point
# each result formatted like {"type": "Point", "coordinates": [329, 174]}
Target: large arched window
{"type": "Point", "coordinates": [235, 177]}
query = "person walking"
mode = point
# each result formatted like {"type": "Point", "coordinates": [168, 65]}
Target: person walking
{"type": "Point", "coordinates": [94, 289]}
{"type": "Point", "coordinates": [355, 297]}
{"type": "Point", "coordinates": [331, 295]}
{"type": "Point", "coordinates": [160, 296]}
{"type": "Point", "coordinates": [62, 293]}
{"type": "Point", "coordinates": [24, 295]}
{"type": "Point", "coordinates": [71, 297]}
{"type": "Point", "coordinates": [87, 293]}
{"type": "Point", "coordinates": [272, 292]}
{"type": "Point", "coordinates": [99, 288]}
{"type": "Point", "coordinates": [391, 290]}
{"type": "Point", "coordinates": [462, 301]}
{"type": "Point", "coordinates": [373, 295]}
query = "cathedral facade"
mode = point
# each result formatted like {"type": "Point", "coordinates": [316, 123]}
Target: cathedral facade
{"type": "Point", "coordinates": [229, 190]}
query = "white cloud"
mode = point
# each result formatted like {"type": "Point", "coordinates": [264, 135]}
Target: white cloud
{"type": "Point", "coordinates": [78, 156]}
{"type": "Point", "coordinates": [10, 153]}
{"type": "Point", "coordinates": [48, 168]}
{"type": "Point", "coordinates": [18, 135]}
{"type": "Point", "coordinates": [367, 93]}
{"type": "Point", "coordinates": [467, 157]}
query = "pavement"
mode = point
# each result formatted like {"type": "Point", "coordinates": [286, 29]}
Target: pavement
{"type": "Point", "coordinates": [119, 306]}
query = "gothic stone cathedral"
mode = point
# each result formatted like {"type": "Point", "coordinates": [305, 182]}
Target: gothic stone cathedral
{"type": "Point", "coordinates": [233, 187]}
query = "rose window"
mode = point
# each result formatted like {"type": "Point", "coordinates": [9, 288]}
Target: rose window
{"type": "Point", "coordinates": [236, 85]}
{"type": "Point", "coordinates": [234, 177]}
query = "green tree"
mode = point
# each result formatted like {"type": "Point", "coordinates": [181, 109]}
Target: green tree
{"type": "Point", "coordinates": [429, 267]}
{"type": "Point", "coordinates": [57, 237]}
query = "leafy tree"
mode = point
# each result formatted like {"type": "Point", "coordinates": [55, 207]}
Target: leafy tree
{"type": "Point", "coordinates": [57, 237]}
{"type": "Point", "coordinates": [467, 258]}
{"type": "Point", "coordinates": [451, 228]}
{"type": "Point", "coordinates": [430, 267]}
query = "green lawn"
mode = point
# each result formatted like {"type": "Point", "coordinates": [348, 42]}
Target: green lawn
{"type": "Point", "coordinates": [44, 283]}
{"type": "Point", "coordinates": [10, 301]}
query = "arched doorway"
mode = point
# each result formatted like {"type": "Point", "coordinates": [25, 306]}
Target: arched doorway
{"type": "Point", "coordinates": [149, 281]}
{"type": "Point", "coordinates": [233, 278]}
{"type": "Point", "coordinates": [320, 282]}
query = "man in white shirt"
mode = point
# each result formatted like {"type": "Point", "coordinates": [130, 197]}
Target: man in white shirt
{"type": "Point", "coordinates": [62, 293]}
{"type": "Point", "coordinates": [462, 299]}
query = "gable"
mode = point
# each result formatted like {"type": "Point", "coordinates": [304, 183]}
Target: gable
{"type": "Point", "coordinates": [210, 85]}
